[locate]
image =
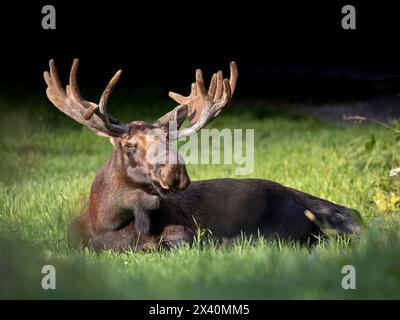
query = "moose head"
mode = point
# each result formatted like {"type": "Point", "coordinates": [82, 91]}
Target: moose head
{"type": "Point", "coordinates": [147, 160]}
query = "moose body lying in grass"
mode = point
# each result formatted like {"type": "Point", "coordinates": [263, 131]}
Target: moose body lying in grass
{"type": "Point", "coordinates": [136, 203]}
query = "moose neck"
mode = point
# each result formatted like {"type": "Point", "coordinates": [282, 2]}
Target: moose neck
{"type": "Point", "coordinates": [115, 200]}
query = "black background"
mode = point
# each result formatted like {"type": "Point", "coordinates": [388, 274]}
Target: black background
{"type": "Point", "coordinates": [283, 49]}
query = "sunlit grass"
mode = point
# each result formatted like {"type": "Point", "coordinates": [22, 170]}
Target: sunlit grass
{"type": "Point", "coordinates": [48, 164]}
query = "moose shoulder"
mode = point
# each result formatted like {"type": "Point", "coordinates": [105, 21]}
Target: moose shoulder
{"type": "Point", "coordinates": [140, 202]}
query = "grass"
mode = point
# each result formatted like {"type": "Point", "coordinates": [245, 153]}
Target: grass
{"type": "Point", "coordinates": [48, 163]}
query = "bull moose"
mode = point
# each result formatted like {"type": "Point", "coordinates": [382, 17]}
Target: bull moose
{"type": "Point", "coordinates": [138, 204]}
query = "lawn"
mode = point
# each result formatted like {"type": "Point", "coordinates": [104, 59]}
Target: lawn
{"type": "Point", "coordinates": [48, 163]}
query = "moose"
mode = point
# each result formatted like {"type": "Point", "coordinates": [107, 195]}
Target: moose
{"type": "Point", "coordinates": [139, 204]}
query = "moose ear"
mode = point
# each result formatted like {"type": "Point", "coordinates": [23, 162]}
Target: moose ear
{"type": "Point", "coordinates": [178, 114]}
{"type": "Point", "coordinates": [115, 141]}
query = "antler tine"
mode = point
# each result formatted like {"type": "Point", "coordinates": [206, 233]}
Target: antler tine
{"type": "Point", "coordinates": [213, 85]}
{"type": "Point", "coordinates": [200, 87]}
{"type": "Point", "coordinates": [193, 90]}
{"type": "Point", "coordinates": [57, 94]}
{"type": "Point", "coordinates": [74, 93]}
{"type": "Point", "coordinates": [179, 98]}
{"type": "Point", "coordinates": [72, 87]}
{"type": "Point", "coordinates": [205, 106]}
{"type": "Point", "coordinates": [70, 102]}
{"type": "Point", "coordinates": [226, 96]}
{"type": "Point", "coordinates": [55, 79]}
{"type": "Point", "coordinates": [234, 75]}
{"type": "Point", "coordinates": [104, 100]}
{"type": "Point", "coordinates": [219, 86]}
{"type": "Point", "coordinates": [107, 91]}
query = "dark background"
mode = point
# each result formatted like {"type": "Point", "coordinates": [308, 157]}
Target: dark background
{"type": "Point", "coordinates": [287, 50]}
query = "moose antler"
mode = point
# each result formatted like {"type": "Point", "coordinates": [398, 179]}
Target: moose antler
{"type": "Point", "coordinates": [201, 106]}
{"type": "Point", "coordinates": [70, 102]}
{"type": "Point", "coordinates": [204, 106]}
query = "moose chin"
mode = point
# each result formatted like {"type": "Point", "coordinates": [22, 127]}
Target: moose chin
{"type": "Point", "coordinates": [139, 204]}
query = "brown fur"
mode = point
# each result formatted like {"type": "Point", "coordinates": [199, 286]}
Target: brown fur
{"type": "Point", "coordinates": [117, 216]}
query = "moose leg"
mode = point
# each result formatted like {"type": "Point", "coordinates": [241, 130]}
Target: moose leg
{"type": "Point", "coordinates": [126, 238]}
{"type": "Point", "coordinates": [81, 233]}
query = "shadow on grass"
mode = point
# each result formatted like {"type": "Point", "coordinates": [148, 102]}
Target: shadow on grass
{"type": "Point", "coordinates": [242, 271]}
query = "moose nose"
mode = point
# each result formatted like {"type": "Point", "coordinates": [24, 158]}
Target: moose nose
{"type": "Point", "coordinates": [181, 179]}
{"type": "Point", "coordinates": [184, 180]}
{"type": "Point", "coordinates": [173, 177]}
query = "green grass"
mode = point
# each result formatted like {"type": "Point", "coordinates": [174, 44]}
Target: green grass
{"type": "Point", "coordinates": [48, 163]}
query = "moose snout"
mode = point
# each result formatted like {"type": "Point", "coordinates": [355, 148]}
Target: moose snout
{"type": "Point", "coordinates": [183, 179]}
{"type": "Point", "coordinates": [174, 177]}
